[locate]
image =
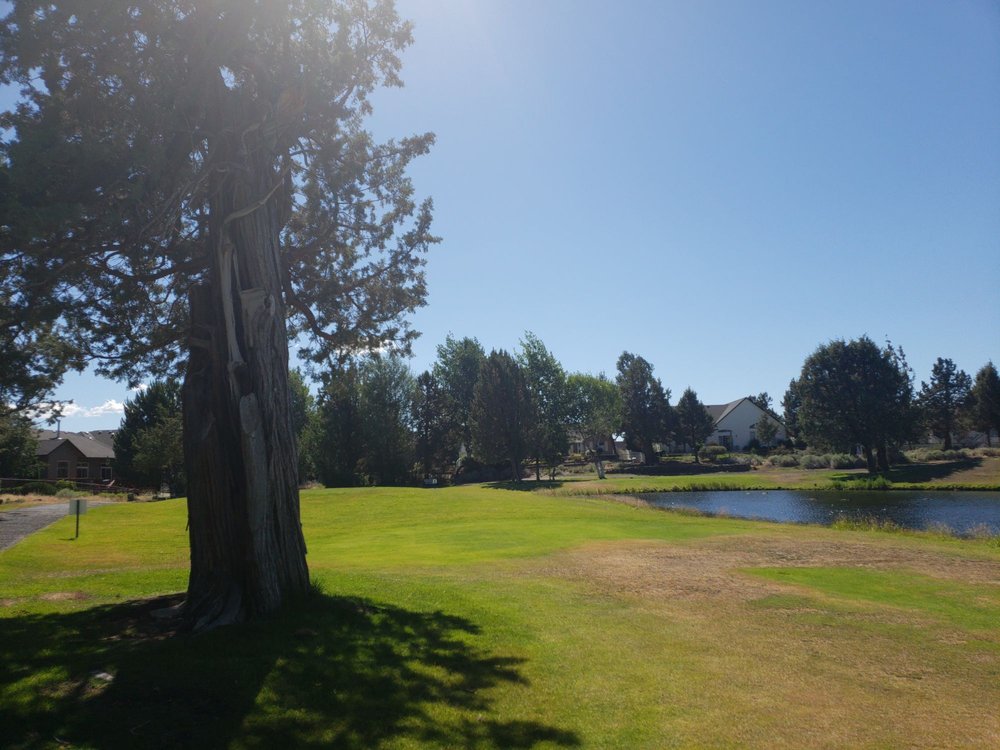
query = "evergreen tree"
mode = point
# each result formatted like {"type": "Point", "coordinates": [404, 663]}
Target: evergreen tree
{"type": "Point", "coordinates": [500, 413]}
{"type": "Point", "coordinates": [693, 423]}
{"type": "Point", "coordinates": [986, 400]}
{"type": "Point", "coordinates": [338, 444]}
{"type": "Point", "coordinates": [646, 416]}
{"type": "Point", "coordinates": [385, 405]}
{"type": "Point", "coordinates": [159, 402]}
{"type": "Point", "coordinates": [457, 370]}
{"type": "Point", "coordinates": [546, 383]}
{"type": "Point", "coordinates": [855, 394]}
{"type": "Point", "coordinates": [159, 450]}
{"type": "Point", "coordinates": [303, 414]}
{"type": "Point", "coordinates": [180, 179]}
{"type": "Point", "coordinates": [765, 430]}
{"type": "Point", "coordinates": [943, 399]}
{"type": "Point", "coordinates": [790, 405]}
{"type": "Point", "coordinates": [17, 446]}
{"type": "Point", "coordinates": [430, 424]}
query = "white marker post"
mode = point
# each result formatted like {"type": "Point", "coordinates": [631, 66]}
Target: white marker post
{"type": "Point", "coordinates": [76, 507]}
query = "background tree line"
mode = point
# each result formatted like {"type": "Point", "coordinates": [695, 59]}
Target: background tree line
{"type": "Point", "coordinates": [372, 421]}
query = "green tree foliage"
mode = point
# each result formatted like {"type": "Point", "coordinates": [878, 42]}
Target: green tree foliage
{"type": "Point", "coordinates": [595, 410]}
{"type": "Point", "coordinates": [457, 370]}
{"type": "Point", "coordinates": [986, 400]}
{"type": "Point", "coordinates": [765, 430]}
{"type": "Point", "coordinates": [549, 400]}
{"type": "Point", "coordinates": [500, 413]}
{"type": "Point", "coordinates": [646, 416]}
{"type": "Point", "coordinates": [338, 444]}
{"type": "Point", "coordinates": [183, 179]}
{"type": "Point", "coordinates": [693, 424]}
{"type": "Point", "coordinates": [763, 400]}
{"type": "Point", "coordinates": [17, 446]}
{"type": "Point", "coordinates": [430, 424]}
{"type": "Point", "coordinates": [144, 413]}
{"type": "Point", "coordinates": [385, 406]}
{"type": "Point", "coordinates": [303, 414]}
{"type": "Point", "coordinates": [852, 393]}
{"type": "Point", "coordinates": [158, 450]}
{"type": "Point", "coordinates": [363, 433]}
{"type": "Point", "coordinates": [944, 398]}
{"type": "Point", "coordinates": [790, 404]}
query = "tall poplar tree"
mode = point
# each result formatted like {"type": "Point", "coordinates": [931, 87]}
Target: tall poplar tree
{"type": "Point", "coordinates": [180, 180]}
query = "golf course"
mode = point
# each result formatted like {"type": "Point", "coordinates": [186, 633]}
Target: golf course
{"type": "Point", "coordinates": [481, 617]}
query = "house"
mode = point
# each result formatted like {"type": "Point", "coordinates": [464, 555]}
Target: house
{"type": "Point", "coordinates": [605, 446]}
{"type": "Point", "coordinates": [735, 424]}
{"type": "Point", "coordinates": [78, 456]}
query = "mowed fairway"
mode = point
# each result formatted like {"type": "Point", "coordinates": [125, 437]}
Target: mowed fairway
{"type": "Point", "coordinates": [485, 618]}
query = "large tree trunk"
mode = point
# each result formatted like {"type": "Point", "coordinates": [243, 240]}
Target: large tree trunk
{"type": "Point", "coordinates": [247, 548]}
{"type": "Point", "coordinates": [946, 446]}
{"type": "Point", "coordinates": [870, 459]}
{"type": "Point", "coordinates": [882, 456]}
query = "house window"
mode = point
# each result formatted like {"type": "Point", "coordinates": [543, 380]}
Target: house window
{"type": "Point", "coordinates": [727, 441]}
{"type": "Point", "coordinates": [82, 470]}
{"type": "Point", "coordinates": [105, 473]}
{"type": "Point", "coordinates": [62, 469]}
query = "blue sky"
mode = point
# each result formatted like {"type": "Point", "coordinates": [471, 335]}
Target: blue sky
{"type": "Point", "coordinates": [718, 187]}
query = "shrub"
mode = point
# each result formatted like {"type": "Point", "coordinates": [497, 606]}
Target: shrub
{"type": "Point", "coordinates": [36, 488]}
{"type": "Point", "coordinates": [812, 461]}
{"type": "Point", "coordinates": [783, 461]}
{"type": "Point", "coordinates": [66, 493]}
{"type": "Point", "coordinates": [712, 453]}
{"type": "Point", "coordinates": [845, 461]}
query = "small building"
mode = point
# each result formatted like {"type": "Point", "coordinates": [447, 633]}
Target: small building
{"type": "Point", "coordinates": [736, 421]}
{"type": "Point", "coordinates": [604, 446]}
{"type": "Point", "coordinates": [77, 456]}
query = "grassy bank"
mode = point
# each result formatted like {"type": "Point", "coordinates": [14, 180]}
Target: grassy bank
{"type": "Point", "coordinates": [980, 474]}
{"type": "Point", "coordinates": [479, 617]}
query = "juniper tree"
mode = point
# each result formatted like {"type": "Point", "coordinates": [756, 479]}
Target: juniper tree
{"type": "Point", "coordinates": [693, 423]}
{"type": "Point", "coordinates": [183, 184]}
{"type": "Point", "coordinates": [853, 393]}
{"type": "Point", "coordinates": [986, 400]}
{"type": "Point", "coordinates": [646, 415]}
{"type": "Point", "coordinates": [944, 398]}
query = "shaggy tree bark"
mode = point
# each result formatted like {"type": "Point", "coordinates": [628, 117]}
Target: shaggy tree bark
{"type": "Point", "coordinates": [247, 548]}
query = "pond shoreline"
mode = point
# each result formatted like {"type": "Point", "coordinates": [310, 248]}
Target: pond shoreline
{"type": "Point", "coordinates": [975, 514]}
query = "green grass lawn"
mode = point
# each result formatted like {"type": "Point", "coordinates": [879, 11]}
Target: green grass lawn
{"type": "Point", "coordinates": [980, 473]}
{"type": "Point", "coordinates": [484, 618]}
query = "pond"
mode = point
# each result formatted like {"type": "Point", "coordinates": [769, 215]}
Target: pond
{"type": "Point", "coordinates": [959, 511]}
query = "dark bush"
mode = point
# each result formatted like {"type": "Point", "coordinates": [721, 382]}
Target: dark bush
{"type": "Point", "coordinates": [36, 488]}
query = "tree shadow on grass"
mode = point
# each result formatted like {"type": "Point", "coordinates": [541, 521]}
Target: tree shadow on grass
{"type": "Point", "coordinates": [526, 485]}
{"type": "Point", "coordinates": [333, 672]}
{"type": "Point", "coordinates": [916, 473]}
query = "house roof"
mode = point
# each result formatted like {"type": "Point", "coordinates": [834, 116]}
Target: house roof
{"type": "Point", "coordinates": [88, 446]}
{"type": "Point", "coordinates": [721, 411]}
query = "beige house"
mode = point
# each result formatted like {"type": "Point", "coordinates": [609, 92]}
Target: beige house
{"type": "Point", "coordinates": [735, 424]}
{"type": "Point", "coordinates": [77, 456]}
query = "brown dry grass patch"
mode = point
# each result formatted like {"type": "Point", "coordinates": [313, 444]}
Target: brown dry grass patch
{"type": "Point", "coordinates": [790, 667]}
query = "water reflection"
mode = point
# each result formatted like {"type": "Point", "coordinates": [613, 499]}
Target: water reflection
{"type": "Point", "coordinates": [960, 511]}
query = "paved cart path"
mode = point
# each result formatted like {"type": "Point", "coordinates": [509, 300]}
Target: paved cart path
{"type": "Point", "coordinates": [15, 525]}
